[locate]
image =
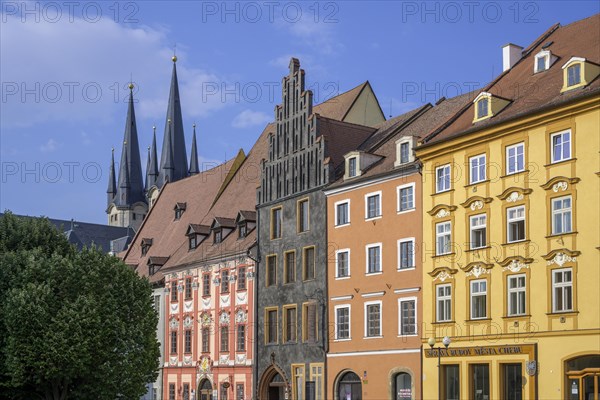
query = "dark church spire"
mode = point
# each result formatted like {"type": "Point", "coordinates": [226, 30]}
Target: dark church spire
{"type": "Point", "coordinates": [194, 157]}
{"type": "Point", "coordinates": [130, 188]}
{"type": "Point", "coordinates": [173, 160]}
{"type": "Point", "coordinates": [112, 183]}
{"type": "Point", "coordinates": [152, 166]}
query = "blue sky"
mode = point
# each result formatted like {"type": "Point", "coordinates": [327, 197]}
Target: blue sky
{"type": "Point", "coordinates": [64, 69]}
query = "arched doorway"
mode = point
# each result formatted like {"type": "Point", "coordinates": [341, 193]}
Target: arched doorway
{"type": "Point", "coordinates": [583, 378]}
{"type": "Point", "coordinates": [349, 387]}
{"type": "Point", "coordinates": [273, 385]}
{"type": "Point", "coordinates": [205, 390]}
{"type": "Point", "coordinates": [402, 384]}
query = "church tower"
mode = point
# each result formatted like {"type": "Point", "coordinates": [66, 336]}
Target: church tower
{"type": "Point", "coordinates": [126, 202]}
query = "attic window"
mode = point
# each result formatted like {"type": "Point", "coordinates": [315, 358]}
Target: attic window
{"type": "Point", "coordinates": [574, 75]}
{"type": "Point", "coordinates": [243, 230]}
{"type": "Point", "coordinates": [483, 108]}
{"type": "Point", "coordinates": [352, 167]}
{"type": "Point", "coordinates": [487, 105]}
{"type": "Point", "coordinates": [145, 245]}
{"type": "Point", "coordinates": [404, 154]}
{"type": "Point", "coordinates": [193, 241]}
{"type": "Point", "coordinates": [218, 236]}
{"type": "Point", "coordinates": [179, 210]}
{"type": "Point", "coordinates": [541, 62]}
{"type": "Point", "coordinates": [579, 72]}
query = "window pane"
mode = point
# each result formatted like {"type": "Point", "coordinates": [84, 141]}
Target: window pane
{"type": "Point", "coordinates": [512, 381]}
{"type": "Point", "coordinates": [451, 384]}
{"type": "Point", "coordinates": [480, 382]}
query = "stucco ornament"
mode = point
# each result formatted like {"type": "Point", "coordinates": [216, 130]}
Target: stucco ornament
{"type": "Point", "coordinates": [173, 360]}
{"type": "Point", "coordinates": [224, 359]}
{"type": "Point", "coordinates": [477, 205]}
{"type": "Point", "coordinates": [240, 316]}
{"type": "Point", "coordinates": [560, 259]}
{"type": "Point", "coordinates": [560, 186]}
{"type": "Point", "coordinates": [515, 266]}
{"type": "Point", "coordinates": [442, 213]}
{"type": "Point", "coordinates": [206, 303]}
{"type": "Point", "coordinates": [187, 322]}
{"type": "Point", "coordinates": [174, 324]}
{"type": "Point", "coordinates": [240, 359]}
{"type": "Point", "coordinates": [477, 271]}
{"type": "Point", "coordinates": [514, 197]}
{"type": "Point", "coordinates": [187, 360]}
{"type": "Point", "coordinates": [205, 320]}
{"type": "Point", "coordinates": [205, 365]}
{"type": "Point", "coordinates": [224, 318]}
{"type": "Point", "coordinates": [442, 276]}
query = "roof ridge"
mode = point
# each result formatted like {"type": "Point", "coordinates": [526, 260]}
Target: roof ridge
{"type": "Point", "coordinates": [399, 125]}
{"type": "Point", "coordinates": [337, 121]}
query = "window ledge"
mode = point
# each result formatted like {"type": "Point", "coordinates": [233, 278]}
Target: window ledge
{"type": "Point", "coordinates": [373, 273]}
{"type": "Point", "coordinates": [516, 242]}
{"type": "Point", "coordinates": [443, 255]}
{"type": "Point", "coordinates": [568, 160]}
{"type": "Point", "coordinates": [443, 322]}
{"type": "Point", "coordinates": [478, 248]}
{"type": "Point", "coordinates": [510, 175]}
{"type": "Point", "coordinates": [342, 225]}
{"type": "Point", "coordinates": [373, 337]}
{"type": "Point", "coordinates": [342, 278]}
{"type": "Point", "coordinates": [342, 340]}
{"type": "Point", "coordinates": [554, 235]}
{"type": "Point", "coordinates": [563, 313]}
{"type": "Point", "coordinates": [405, 336]}
{"type": "Point", "coordinates": [442, 192]}
{"type": "Point", "coordinates": [373, 218]}
{"type": "Point", "coordinates": [406, 269]}
{"type": "Point", "coordinates": [516, 316]}
{"type": "Point", "coordinates": [406, 211]}
{"type": "Point", "coordinates": [472, 320]}
{"type": "Point", "coordinates": [477, 183]}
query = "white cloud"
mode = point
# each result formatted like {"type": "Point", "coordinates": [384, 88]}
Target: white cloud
{"type": "Point", "coordinates": [249, 118]}
{"type": "Point", "coordinates": [49, 146]}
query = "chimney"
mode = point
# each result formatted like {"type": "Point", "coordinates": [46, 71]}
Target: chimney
{"type": "Point", "coordinates": [511, 53]}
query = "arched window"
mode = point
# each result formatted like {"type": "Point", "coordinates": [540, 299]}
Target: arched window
{"type": "Point", "coordinates": [402, 386]}
{"type": "Point", "coordinates": [205, 390]}
{"type": "Point", "coordinates": [350, 387]}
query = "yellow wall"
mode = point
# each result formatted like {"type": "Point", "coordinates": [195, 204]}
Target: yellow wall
{"type": "Point", "coordinates": [557, 335]}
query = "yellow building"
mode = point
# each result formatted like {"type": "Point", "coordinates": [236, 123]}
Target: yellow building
{"type": "Point", "coordinates": [511, 265]}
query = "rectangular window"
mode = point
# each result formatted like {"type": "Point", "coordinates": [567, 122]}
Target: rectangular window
{"type": "Point", "coordinates": [188, 288]}
{"type": "Point", "coordinates": [290, 324]}
{"type": "Point", "coordinates": [516, 295]}
{"type": "Point", "coordinates": [480, 381]}
{"type": "Point", "coordinates": [271, 270]}
{"type": "Point", "coordinates": [477, 168]}
{"type": "Point", "coordinates": [342, 213]}
{"type": "Point", "coordinates": [442, 178]}
{"type": "Point", "coordinates": [406, 198]}
{"type": "Point", "coordinates": [223, 392]}
{"type": "Point", "coordinates": [173, 342]}
{"type": "Point", "coordinates": [173, 291]}
{"type": "Point", "coordinates": [444, 303]}
{"type": "Point", "coordinates": [225, 281]}
{"type": "Point", "coordinates": [443, 238]}
{"type": "Point", "coordinates": [342, 322]}
{"type": "Point", "coordinates": [561, 215]}
{"type": "Point", "coordinates": [512, 381]}
{"type": "Point", "coordinates": [408, 316]}
{"type": "Point", "coordinates": [373, 319]}
{"type": "Point", "coordinates": [218, 236]}
{"type": "Point", "coordinates": [562, 290]}
{"type": "Point", "coordinates": [352, 167]}
{"type": "Point", "coordinates": [482, 108]}
{"type": "Point", "coordinates": [373, 259]}
{"type": "Point", "coordinates": [156, 305]}
{"type": "Point", "coordinates": [290, 266]}
{"type": "Point", "coordinates": [206, 285]}
{"type": "Point", "coordinates": [309, 324]}
{"type": "Point", "coordinates": [308, 261]}
{"type": "Point", "coordinates": [193, 241]}
{"type": "Point", "coordinates": [243, 230]}
{"type": "Point", "coordinates": [224, 339]}
{"type": "Point", "coordinates": [478, 299]}
{"type": "Point", "coordinates": [342, 262]}
{"type": "Point", "coordinates": [373, 206]}
{"type": "Point", "coordinates": [478, 231]}
{"type": "Point", "coordinates": [298, 382]}
{"type": "Point", "coordinates": [171, 391]}
{"type": "Point", "coordinates": [241, 278]}
{"type": "Point", "coordinates": [276, 223]}
{"type": "Point", "coordinates": [271, 326]}
{"type": "Point", "coordinates": [574, 75]}
{"type": "Point", "coordinates": [561, 146]}
{"type": "Point", "coordinates": [186, 391]}
{"type": "Point", "coordinates": [404, 152]}
{"type": "Point", "coordinates": [205, 340]}
{"type": "Point", "coordinates": [239, 391]}
{"type": "Point", "coordinates": [540, 63]}
{"type": "Point", "coordinates": [451, 382]}
{"type": "Point", "coordinates": [241, 338]}
{"type": "Point", "coordinates": [406, 254]}
{"type": "Point", "coordinates": [515, 158]}
{"type": "Point", "coordinates": [515, 218]}
{"type": "Point", "coordinates": [316, 376]}
{"type": "Point", "coordinates": [187, 348]}
{"type": "Point", "coordinates": [303, 214]}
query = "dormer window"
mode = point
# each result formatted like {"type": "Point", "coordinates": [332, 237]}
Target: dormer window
{"type": "Point", "coordinates": [155, 264]}
{"type": "Point", "coordinates": [243, 230]}
{"type": "Point", "coordinates": [245, 221]}
{"type": "Point", "coordinates": [196, 234]}
{"type": "Point", "coordinates": [218, 236]}
{"type": "Point", "coordinates": [487, 105]}
{"type": "Point", "coordinates": [193, 241]}
{"type": "Point", "coordinates": [179, 210]}
{"type": "Point", "coordinates": [543, 60]}
{"type": "Point", "coordinates": [404, 153]}
{"type": "Point", "coordinates": [145, 245]}
{"type": "Point", "coordinates": [579, 72]}
{"type": "Point", "coordinates": [352, 167]}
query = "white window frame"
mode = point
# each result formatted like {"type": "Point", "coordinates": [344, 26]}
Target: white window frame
{"type": "Point", "coordinates": [561, 133]}
{"type": "Point", "coordinates": [546, 56]}
{"type": "Point", "coordinates": [515, 146]}
{"type": "Point", "coordinates": [562, 212]}
{"type": "Point", "coordinates": [400, 301]}
{"type": "Point", "coordinates": [370, 246]}
{"type": "Point", "coordinates": [399, 189]}
{"type": "Point", "coordinates": [367, 196]}
{"type": "Point", "coordinates": [405, 240]}
{"type": "Point", "coordinates": [366, 319]}
{"type": "Point", "coordinates": [406, 140]}
{"type": "Point", "coordinates": [477, 227]}
{"type": "Point", "coordinates": [447, 299]}
{"type": "Point", "coordinates": [516, 290]}
{"type": "Point", "coordinates": [481, 175]}
{"type": "Point", "coordinates": [437, 182]}
{"type": "Point", "coordinates": [335, 211]}
{"type": "Point", "coordinates": [356, 167]}
{"type": "Point", "coordinates": [562, 285]}
{"type": "Point", "coordinates": [480, 293]}
{"type": "Point", "coordinates": [438, 251]}
{"type": "Point", "coordinates": [517, 219]}
{"type": "Point", "coordinates": [573, 65]}
{"type": "Point", "coordinates": [335, 316]}
{"type": "Point", "coordinates": [337, 276]}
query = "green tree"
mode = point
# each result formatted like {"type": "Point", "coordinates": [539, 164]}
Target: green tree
{"type": "Point", "coordinates": [75, 325]}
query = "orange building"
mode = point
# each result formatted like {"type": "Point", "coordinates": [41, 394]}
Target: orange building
{"type": "Point", "coordinates": [374, 227]}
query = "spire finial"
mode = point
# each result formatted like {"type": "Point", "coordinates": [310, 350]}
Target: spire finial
{"type": "Point", "coordinates": [113, 150]}
{"type": "Point", "coordinates": [174, 58]}
{"type": "Point", "coordinates": [194, 125]}
{"type": "Point", "coordinates": [130, 86]}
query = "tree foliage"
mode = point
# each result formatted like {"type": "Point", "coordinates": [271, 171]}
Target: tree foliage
{"type": "Point", "coordinates": [73, 325]}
